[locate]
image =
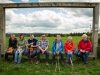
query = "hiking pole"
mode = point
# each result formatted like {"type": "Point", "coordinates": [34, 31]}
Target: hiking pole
{"type": "Point", "coordinates": [71, 61]}
{"type": "Point", "coordinates": [57, 64]}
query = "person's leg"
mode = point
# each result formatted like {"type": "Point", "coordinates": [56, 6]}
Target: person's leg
{"type": "Point", "coordinates": [71, 55]}
{"type": "Point", "coordinates": [34, 53]}
{"type": "Point", "coordinates": [6, 56]}
{"type": "Point", "coordinates": [16, 56]}
{"type": "Point", "coordinates": [61, 54]}
{"type": "Point", "coordinates": [47, 55]}
{"type": "Point", "coordinates": [67, 56]}
{"type": "Point", "coordinates": [20, 56]}
{"type": "Point", "coordinates": [27, 53]}
{"type": "Point", "coordinates": [86, 57]}
{"type": "Point", "coordinates": [80, 54]}
{"type": "Point", "coordinates": [38, 56]}
{"type": "Point", "coordinates": [53, 57]}
{"type": "Point", "coordinates": [14, 53]}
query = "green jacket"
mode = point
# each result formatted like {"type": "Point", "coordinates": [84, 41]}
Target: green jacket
{"type": "Point", "coordinates": [22, 44]}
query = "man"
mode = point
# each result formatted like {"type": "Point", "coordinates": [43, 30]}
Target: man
{"type": "Point", "coordinates": [57, 49]}
{"type": "Point", "coordinates": [12, 45]}
{"type": "Point", "coordinates": [31, 44]}
{"type": "Point", "coordinates": [84, 48]}
{"type": "Point", "coordinates": [43, 45]}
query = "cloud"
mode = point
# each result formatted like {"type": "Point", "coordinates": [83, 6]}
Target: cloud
{"type": "Point", "coordinates": [25, 0]}
{"type": "Point", "coordinates": [45, 21]}
{"type": "Point", "coordinates": [6, 1]}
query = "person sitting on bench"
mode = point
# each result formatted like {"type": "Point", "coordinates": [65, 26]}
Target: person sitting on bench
{"type": "Point", "coordinates": [21, 47]}
{"type": "Point", "coordinates": [84, 48]}
{"type": "Point", "coordinates": [31, 45]}
{"type": "Point", "coordinates": [57, 49]}
{"type": "Point", "coordinates": [43, 45]}
{"type": "Point", "coordinates": [69, 48]}
{"type": "Point", "coordinates": [12, 47]}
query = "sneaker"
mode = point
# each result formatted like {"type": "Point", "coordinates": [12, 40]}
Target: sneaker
{"type": "Point", "coordinates": [47, 63]}
{"type": "Point", "coordinates": [37, 62]}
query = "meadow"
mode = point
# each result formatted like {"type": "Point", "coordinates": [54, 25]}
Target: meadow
{"type": "Point", "coordinates": [25, 68]}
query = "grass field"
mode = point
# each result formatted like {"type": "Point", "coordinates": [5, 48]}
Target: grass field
{"type": "Point", "coordinates": [8, 68]}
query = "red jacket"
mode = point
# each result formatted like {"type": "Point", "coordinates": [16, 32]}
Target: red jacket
{"type": "Point", "coordinates": [85, 45]}
{"type": "Point", "coordinates": [69, 47]}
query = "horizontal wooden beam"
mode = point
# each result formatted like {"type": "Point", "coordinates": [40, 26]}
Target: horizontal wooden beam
{"type": "Point", "coordinates": [50, 4]}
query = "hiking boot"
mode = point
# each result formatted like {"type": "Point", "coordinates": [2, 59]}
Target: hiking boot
{"type": "Point", "coordinates": [37, 62]}
{"type": "Point", "coordinates": [47, 63]}
{"type": "Point", "coordinates": [31, 61]}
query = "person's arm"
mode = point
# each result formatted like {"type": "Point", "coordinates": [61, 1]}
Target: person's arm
{"type": "Point", "coordinates": [15, 45]}
{"type": "Point", "coordinates": [39, 45]}
{"type": "Point", "coordinates": [9, 44]}
{"type": "Point", "coordinates": [62, 47]}
{"type": "Point", "coordinates": [53, 47]}
{"type": "Point", "coordinates": [72, 46]}
{"type": "Point", "coordinates": [79, 45]}
{"type": "Point", "coordinates": [47, 43]}
{"type": "Point", "coordinates": [89, 47]}
{"type": "Point", "coordinates": [65, 47]}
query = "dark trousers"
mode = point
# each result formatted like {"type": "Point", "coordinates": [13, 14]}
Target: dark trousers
{"type": "Point", "coordinates": [27, 52]}
{"type": "Point", "coordinates": [54, 55]}
{"type": "Point", "coordinates": [84, 56]}
{"type": "Point", "coordinates": [7, 54]}
{"type": "Point", "coordinates": [46, 53]}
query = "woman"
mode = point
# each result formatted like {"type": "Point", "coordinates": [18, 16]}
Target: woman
{"type": "Point", "coordinates": [21, 47]}
{"type": "Point", "coordinates": [12, 45]}
{"type": "Point", "coordinates": [69, 48]}
{"type": "Point", "coordinates": [84, 48]}
{"type": "Point", "coordinates": [57, 49]}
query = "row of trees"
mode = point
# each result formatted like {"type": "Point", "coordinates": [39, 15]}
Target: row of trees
{"type": "Point", "coordinates": [51, 34]}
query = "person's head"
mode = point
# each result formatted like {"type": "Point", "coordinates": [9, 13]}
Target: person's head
{"type": "Point", "coordinates": [84, 36]}
{"type": "Point", "coordinates": [21, 36]}
{"type": "Point", "coordinates": [43, 37]}
{"type": "Point", "coordinates": [58, 37]}
{"type": "Point", "coordinates": [12, 36]}
{"type": "Point", "coordinates": [31, 36]}
{"type": "Point", "coordinates": [69, 38]}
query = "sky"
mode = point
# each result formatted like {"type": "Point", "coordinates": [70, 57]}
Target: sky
{"type": "Point", "coordinates": [48, 20]}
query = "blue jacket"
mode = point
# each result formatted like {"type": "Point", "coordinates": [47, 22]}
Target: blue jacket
{"type": "Point", "coordinates": [54, 46]}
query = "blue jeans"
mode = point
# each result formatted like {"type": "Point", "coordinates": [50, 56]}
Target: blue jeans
{"type": "Point", "coordinates": [27, 52]}
{"type": "Point", "coordinates": [18, 56]}
{"type": "Point", "coordinates": [46, 53]}
{"type": "Point", "coordinates": [54, 54]}
{"type": "Point", "coordinates": [84, 56]}
{"type": "Point", "coordinates": [69, 55]}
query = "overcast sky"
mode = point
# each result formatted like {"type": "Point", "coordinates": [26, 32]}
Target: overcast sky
{"type": "Point", "coordinates": [48, 20]}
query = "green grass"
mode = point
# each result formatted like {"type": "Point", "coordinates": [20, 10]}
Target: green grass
{"type": "Point", "coordinates": [8, 68]}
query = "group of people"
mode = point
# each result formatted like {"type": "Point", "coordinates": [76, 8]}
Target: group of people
{"type": "Point", "coordinates": [33, 47]}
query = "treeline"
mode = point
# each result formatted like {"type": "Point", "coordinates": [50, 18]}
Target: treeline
{"type": "Point", "coordinates": [50, 34]}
